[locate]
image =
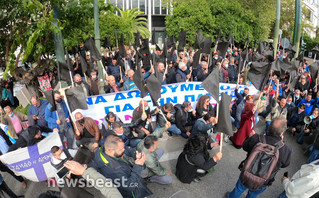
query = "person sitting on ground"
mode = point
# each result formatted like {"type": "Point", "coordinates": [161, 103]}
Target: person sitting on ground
{"type": "Point", "coordinates": [169, 113]}
{"type": "Point", "coordinates": [185, 116]}
{"type": "Point", "coordinates": [309, 129]}
{"type": "Point", "coordinates": [203, 106]}
{"type": "Point", "coordinates": [195, 160]}
{"type": "Point", "coordinates": [107, 122]}
{"type": "Point", "coordinates": [156, 172]}
{"type": "Point", "coordinates": [87, 132]}
{"type": "Point", "coordinates": [295, 118]}
{"type": "Point", "coordinates": [115, 161]}
{"type": "Point", "coordinates": [204, 125]}
{"type": "Point", "coordinates": [309, 102]}
{"type": "Point", "coordinates": [144, 128]}
{"type": "Point", "coordinates": [126, 132]}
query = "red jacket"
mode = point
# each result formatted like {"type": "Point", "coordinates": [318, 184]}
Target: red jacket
{"type": "Point", "coordinates": [247, 124]}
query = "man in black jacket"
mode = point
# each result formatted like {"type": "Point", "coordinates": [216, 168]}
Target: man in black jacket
{"type": "Point", "coordinates": [169, 113]}
{"type": "Point", "coordinates": [309, 129]}
{"type": "Point", "coordinates": [295, 117]}
{"type": "Point", "coordinates": [277, 129]}
{"type": "Point", "coordinates": [30, 136]}
{"type": "Point", "coordinates": [125, 131]}
{"type": "Point", "coordinates": [185, 117]}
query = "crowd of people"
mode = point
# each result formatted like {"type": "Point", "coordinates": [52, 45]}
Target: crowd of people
{"type": "Point", "coordinates": [129, 150]}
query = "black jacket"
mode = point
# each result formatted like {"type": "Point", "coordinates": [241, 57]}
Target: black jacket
{"type": "Point", "coordinates": [186, 169]}
{"type": "Point", "coordinates": [127, 129]}
{"type": "Point", "coordinates": [26, 138]}
{"type": "Point", "coordinates": [292, 111]}
{"type": "Point", "coordinates": [171, 75]}
{"type": "Point", "coordinates": [314, 126]}
{"type": "Point", "coordinates": [182, 117]}
{"type": "Point", "coordinates": [284, 152]}
{"type": "Point", "coordinates": [109, 89]}
{"type": "Point", "coordinates": [160, 121]}
{"type": "Point", "coordinates": [200, 111]}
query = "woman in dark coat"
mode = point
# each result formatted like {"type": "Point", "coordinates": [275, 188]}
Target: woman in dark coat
{"type": "Point", "coordinates": [247, 125]}
{"type": "Point", "coordinates": [195, 161]}
{"type": "Point", "coordinates": [203, 106]}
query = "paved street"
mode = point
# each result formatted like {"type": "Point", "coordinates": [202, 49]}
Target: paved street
{"type": "Point", "coordinates": [214, 185]}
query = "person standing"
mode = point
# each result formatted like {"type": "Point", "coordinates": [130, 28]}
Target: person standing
{"type": "Point", "coordinates": [275, 137]}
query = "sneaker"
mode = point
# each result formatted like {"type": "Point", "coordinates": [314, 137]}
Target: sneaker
{"type": "Point", "coordinates": [169, 133]}
{"type": "Point", "coordinates": [201, 171]}
{"type": "Point", "coordinates": [226, 138]}
{"type": "Point", "coordinates": [196, 180]}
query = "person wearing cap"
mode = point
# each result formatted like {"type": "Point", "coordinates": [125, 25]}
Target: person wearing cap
{"type": "Point", "coordinates": [295, 117]}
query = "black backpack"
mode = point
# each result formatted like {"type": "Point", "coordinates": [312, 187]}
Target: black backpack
{"type": "Point", "coordinates": [260, 164]}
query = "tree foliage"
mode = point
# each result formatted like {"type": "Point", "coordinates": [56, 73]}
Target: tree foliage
{"type": "Point", "coordinates": [190, 16]}
{"type": "Point", "coordinates": [27, 25]}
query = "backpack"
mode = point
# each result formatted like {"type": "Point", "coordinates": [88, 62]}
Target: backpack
{"type": "Point", "coordinates": [260, 164]}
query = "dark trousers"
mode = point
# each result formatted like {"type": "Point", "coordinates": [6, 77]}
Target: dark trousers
{"type": "Point", "coordinates": [4, 188]}
{"type": "Point", "coordinates": [4, 168]}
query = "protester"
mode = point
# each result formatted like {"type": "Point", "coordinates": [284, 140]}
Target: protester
{"type": "Point", "coordinates": [94, 83]}
{"type": "Point", "coordinates": [14, 119]}
{"type": "Point", "coordinates": [87, 132]}
{"type": "Point", "coordinates": [156, 172]}
{"type": "Point", "coordinates": [304, 183]}
{"type": "Point", "coordinates": [111, 85]}
{"type": "Point", "coordinates": [60, 119]}
{"type": "Point", "coordinates": [195, 161]}
{"type": "Point", "coordinates": [204, 106]}
{"type": "Point", "coordinates": [36, 114]}
{"type": "Point", "coordinates": [275, 136]}
{"type": "Point", "coordinates": [86, 88]}
{"type": "Point", "coordinates": [30, 136]}
{"type": "Point", "coordinates": [185, 115]}
{"type": "Point", "coordinates": [115, 161]}
{"type": "Point", "coordinates": [247, 126]}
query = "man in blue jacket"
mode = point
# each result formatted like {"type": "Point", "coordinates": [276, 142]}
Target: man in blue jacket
{"type": "Point", "coordinates": [60, 119]}
{"type": "Point", "coordinates": [123, 165]}
{"type": "Point", "coordinates": [36, 114]}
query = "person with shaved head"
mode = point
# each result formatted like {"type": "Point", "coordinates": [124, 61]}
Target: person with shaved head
{"type": "Point", "coordinates": [87, 132]}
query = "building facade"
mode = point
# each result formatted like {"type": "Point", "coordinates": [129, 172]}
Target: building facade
{"type": "Point", "coordinates": [154, 10]}
{"type": "Point", "coordinates": [312, 7]}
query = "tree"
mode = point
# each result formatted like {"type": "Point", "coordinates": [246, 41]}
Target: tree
{"type": "Point", "coordinates": [190, 16]}
{"type": "Point", "coordinates": [135, 23]}
{"type": "Point", "coordinates": [232, 17]}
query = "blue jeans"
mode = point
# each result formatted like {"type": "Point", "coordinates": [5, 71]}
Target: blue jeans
{"type": "Point", "coordinates": [240, 188]}
{"type": "Point", "coordinates": [173, 128]}
{"type": "Point", "coordinates": [283, 195]}
{"type": "Point", "coordinates": [267, 126]}
{"type": "Point", "coordinates": [314, 155]}
{"type": "Point", "coordinates": [134, 142]}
